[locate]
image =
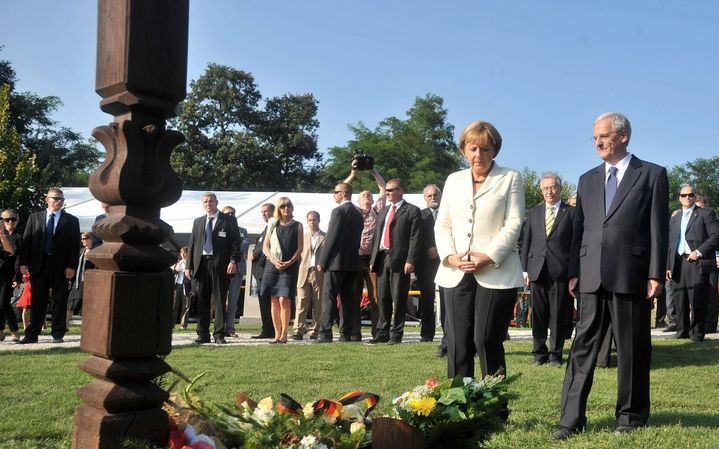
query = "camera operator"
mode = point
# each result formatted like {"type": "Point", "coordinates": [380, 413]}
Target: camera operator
{"type": "Point", "coordinates": [369, 210]}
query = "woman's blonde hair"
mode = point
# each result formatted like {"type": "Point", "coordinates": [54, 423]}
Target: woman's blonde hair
{"type": "Point", "coordinates": [282, 202]}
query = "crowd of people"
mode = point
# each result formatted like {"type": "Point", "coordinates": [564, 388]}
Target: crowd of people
{"type": "Point", "coordinates": [597, 262]}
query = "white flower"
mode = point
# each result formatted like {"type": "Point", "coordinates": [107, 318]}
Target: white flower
{"type": "Point", "coordinates": [357, 427]}
{"type": "Point", "coordinates": [265, 404]}
{"type": "Point", "coordinates": [308, 410]}
{"type": "Point", "coordinates": [308, 442]}
{"type": "Point", "coordinates": [467, 380]}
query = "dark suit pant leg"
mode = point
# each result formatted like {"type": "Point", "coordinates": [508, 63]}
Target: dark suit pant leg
{"type": "Point", "coordinates": [632, 335]}
{"type": "Point", "coordinates": [540, 321]}
{"type": "Point", "coordinates": [592, 322]}
{"type": "Point", "coordinates": [350, 320]}
{"type": "Point", "coordinates": [459, 327]}
{"type": "Point", "coordinates": [40, 291]}
{"type": "Point", "coordinates": [443, 319]}
{"type": "Point", "coordinates": [559, 309]}
{"type": "Point", "coordinates": [7, 313]}
{"type": "Point", "coordinates": [492, 314]}
{"type": "Point", "coordinates": [690, 296]}
{"type": "Point", "coordinates": [211, 290]}
{"type": "Point", "coordinates": [265, 302]}
{"type": "Point", "coordinates": [425, 281]}
{"type": "Point", "coordinates": [669, 302]}
{"type": "Point", "coordinates": [712, 305]}
{"type": "Point", "coordinates": [399, 284]}
{"type": "Point", "coordinates": [330, 290]}
{"type": "Point", "coordinates": [384, 298]}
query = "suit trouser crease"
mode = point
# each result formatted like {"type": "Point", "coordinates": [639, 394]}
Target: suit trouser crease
{"type": "Point", "coordinates": [550, 306]}
{"type": "Point", "coordinates": [211, 292]}
{"type": "Point", "coordinates": [691, 292]}
{"type": "Point", "coordinates": [340, 283]}
{"type": "Point", "coordinates": [393, 293]}
{"type": "Point", "coordinates": [630, 316]}
{"type": "Point", "coordinates": [477, 323]}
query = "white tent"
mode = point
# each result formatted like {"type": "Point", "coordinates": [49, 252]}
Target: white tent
{"type": "Point", "coordinates": [80, 202]}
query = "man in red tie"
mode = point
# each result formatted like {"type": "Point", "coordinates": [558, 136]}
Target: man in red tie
{"type": "Point", "coordinates": [395, 252]}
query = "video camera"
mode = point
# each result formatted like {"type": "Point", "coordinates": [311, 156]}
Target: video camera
{"type": "Point", "coordinates": [362, 161]}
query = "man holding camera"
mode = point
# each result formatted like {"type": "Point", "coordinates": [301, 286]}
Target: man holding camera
{"type": "Point", "coordinates": [369, 210]}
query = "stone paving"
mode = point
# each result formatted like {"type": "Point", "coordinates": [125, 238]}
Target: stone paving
{"type": "Point", "coordinates": [243, 339]}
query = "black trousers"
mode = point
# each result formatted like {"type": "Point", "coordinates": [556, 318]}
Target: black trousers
{"type": "Point", "coordinates": [48, 278]}
{"type": "Point", "coordinates": [211, 291]}
{"type": "Point", "coordinates": [7, 313]}
{"type": "Point", "coordinates": [425, 272]}
{"type": "Point", "coordinates": [369, 280]}
{"type": "Point", "coordinates": [477, 323]}
{"type": "Point", "coordinates": [342, 283]}
{"type": "Point", "coordinates": [551, 306]}
{"type": "Point", "coordinates": [712, 305]}
{"type": "Point", "coordinates": [393, 288]}
{"type": "Point", "coordinates": [691, 292]}
{"type": "Point", "coordinates": [630, 316]}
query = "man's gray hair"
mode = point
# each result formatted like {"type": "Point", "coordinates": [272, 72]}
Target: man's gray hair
{"type": "Point", "coordinates": [551, 175]}
{"type": "Point", "coordinates": [210, 194]}
{"type": "Point", "coordinates": [620, 122]}
{"type": "Point", "coordinates": [429, 186]}
{"type": "Point", "coordinates": [686, 184]}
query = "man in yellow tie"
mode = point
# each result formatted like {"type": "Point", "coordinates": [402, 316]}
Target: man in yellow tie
{"type": "Point", "coordinates": [545, 254]}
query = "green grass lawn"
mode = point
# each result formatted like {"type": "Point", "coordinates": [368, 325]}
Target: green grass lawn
{"type": "Point", "coordinates": [37, 389]}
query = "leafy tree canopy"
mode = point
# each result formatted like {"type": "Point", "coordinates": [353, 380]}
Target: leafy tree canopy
{"type": "Point", "coordinates": [702, 173]}
{"type": "Point", "coordinates": [420, 149]}
{"type": "Point", "coordinates": [235, 141]}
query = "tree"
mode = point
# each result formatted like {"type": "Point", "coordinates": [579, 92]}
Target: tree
{"type": "Point", "coordinates": [702, 173]}
{"type": "Point", "coordinates": [420, 149]}
{"type": "Point", "coordinates": [234, 144]}
{"type": "Point", "coordinates": [67, 159]}
{"type": "Point", "coordinates": [18, 167]}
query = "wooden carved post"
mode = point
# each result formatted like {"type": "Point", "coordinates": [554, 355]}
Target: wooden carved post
{"type": "Point", "coordinates": [127, 314]}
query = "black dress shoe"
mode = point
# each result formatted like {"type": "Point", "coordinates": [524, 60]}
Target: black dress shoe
{"type": "Point", "coordinates": [201, 340]}
{"type": "Point", "coordinates": [58, 340]}
{"type": "Point", "coordinates": [670, 328]}
{"type": "Point", "coordinates": [261, 337]}
{"type": "Point", "coordinates": [313, 337]}
{"type": "Point", "coordinates": [564, 433]}
{"type": "Point", "coordinates": [220, 341]}
{"type": "Point", "coordinates": [538, 363]}
{"type": "Point", "coordinates": [343, 339]}
{"type": "Point", "coordinates": [376, 340]}
{"type": "Point", "coordinates": [355, 338]}
{"type": "Point", "coordinates": [394, 342]}
{"type": "Point", "coordinates": [441, 352]}
{"type": "Point", "coordinates": [621, 430]}
{"type": "Point", "coordinates": [323, 340]}
{"type": "Point", "coordinates": [698, 338]}
{"type": "Point", "coordinates": [27, 340]}
{"type": "Point", "coordinates": [425, 340]}
{"type": "Point", "coordinates": [555, 363]}
{"type": "Point", "coordinates": [297, 336]}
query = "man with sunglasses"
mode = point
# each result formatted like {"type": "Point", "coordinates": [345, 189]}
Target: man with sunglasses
{"type": "Point", "coordinates": [693, 238]}
{"type": "Point", "coordinates": [49, 253]}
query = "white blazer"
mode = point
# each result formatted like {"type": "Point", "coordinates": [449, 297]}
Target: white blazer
{"type": "Point", "coordinates": [489, 221]}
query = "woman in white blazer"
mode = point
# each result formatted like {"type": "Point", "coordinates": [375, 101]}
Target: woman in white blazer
{"type": "Point", "coordinates": [476, 231]}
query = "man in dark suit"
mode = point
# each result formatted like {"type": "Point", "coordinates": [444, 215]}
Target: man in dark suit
{"type": "Point", "coordinates": [546, 244]}
{"type": "Point", "coordinates": [212, 257]}
{"type": "Point", "coordinates": [617, 265]}
{"type": "Point", "coordinates": [426, 268]}
{"type": "Point", "coordinates": [693, 238]}
{"type": "Point", "coordinates": [395, 251]}
{"type": "Point", "coordinates": [258, 268]}
{"type": "Point", "coordinates": [50, 252]}
{"type": "Point", "coordinates": [339, 261]}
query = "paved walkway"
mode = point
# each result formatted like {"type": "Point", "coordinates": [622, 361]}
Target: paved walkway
{"type": "Point", "coordinates": [243, 339]}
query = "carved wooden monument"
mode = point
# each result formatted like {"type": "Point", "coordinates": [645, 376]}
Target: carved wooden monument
{"type": "Point", "coordinates": [127, 314]}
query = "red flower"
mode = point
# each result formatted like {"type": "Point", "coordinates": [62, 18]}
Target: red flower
{"type": "Point", "coordinates": [177, 438]}
{"type": "Point", "coordinates": [431, 382]}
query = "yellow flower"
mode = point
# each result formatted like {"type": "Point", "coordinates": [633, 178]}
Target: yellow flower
{"type": "Point", "coordinates": [308, 410]}
{"type": "Point", "coordinates": [265, 404]}
{"type": "Point", "coordinates": [422, 406]}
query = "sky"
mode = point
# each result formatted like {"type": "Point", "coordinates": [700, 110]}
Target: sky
{"type": "Point", "coordinates": [540, 71]}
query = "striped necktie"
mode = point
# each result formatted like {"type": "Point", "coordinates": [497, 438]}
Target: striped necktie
{"type": "Point", "coordinates": [549, 220]}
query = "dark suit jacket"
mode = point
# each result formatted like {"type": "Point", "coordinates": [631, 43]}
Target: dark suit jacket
{"type": "Point", "coordinates": [258, 257]}
{"type": "Point", "coordinates": [702, 235]}
{"type": "Point", "coordinates": [405, 235]}
{"type": "Point", "coordinates": [65, 246]}
{"type": "Point", "coordinates": [621, 251]}
{"type": "Point", "coordinates": [225, 243]}
{"type": "Point", "coordinates": [540, 249]}
{"type": "Point", "coordinates": [341, 247]}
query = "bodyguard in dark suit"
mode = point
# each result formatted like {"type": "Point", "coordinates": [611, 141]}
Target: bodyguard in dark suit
{"type": "Point", "coordinates": [340, 263]}
{"type": "Point", "coordinates": [546, 244]}
{"type": "Point", "coordinates": [426, 268]}
{"type": "Point", "coordinates": [693, 238]}
{"type": "Point", "coordinates": [50, 252]}
{"type": "Point", "coordinates": [212, 257]}
{"type": "Point", "coordinates": [617, 265]}
{"type": "Point", "coordinates": [395, 252]}
{"type": "Point", "coordinates": [258, 268]}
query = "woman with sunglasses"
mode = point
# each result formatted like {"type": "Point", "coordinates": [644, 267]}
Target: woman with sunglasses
{"type": "Point", "coordinates": [9, 272]}
{"type": "Point", "coordinates": [282, 246]}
